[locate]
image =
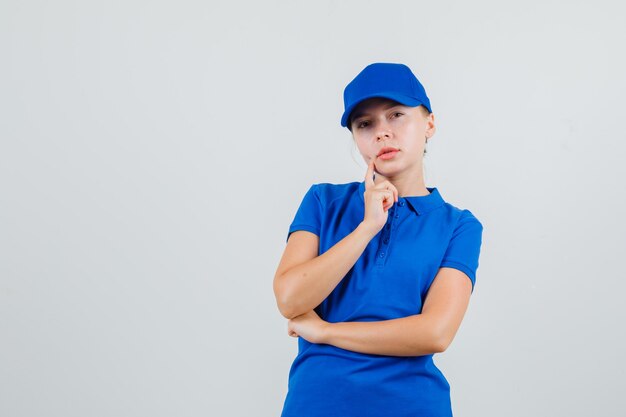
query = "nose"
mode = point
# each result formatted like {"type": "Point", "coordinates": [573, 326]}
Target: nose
{"type": "Point", "coordinates": [383, 131]}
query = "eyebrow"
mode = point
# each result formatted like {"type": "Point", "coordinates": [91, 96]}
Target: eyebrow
{"type": "Point", "coordinates": [362, 113]}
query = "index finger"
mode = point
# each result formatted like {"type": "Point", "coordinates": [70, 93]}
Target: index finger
{"type": "Point", "coordinates": [369, 179]}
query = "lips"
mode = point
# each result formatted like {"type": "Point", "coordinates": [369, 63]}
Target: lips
{"type": "Point", "coordinates": [385, 150]}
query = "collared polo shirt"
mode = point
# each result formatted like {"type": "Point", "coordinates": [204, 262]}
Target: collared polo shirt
{"type": "Point", "coordinates": [390, 280]}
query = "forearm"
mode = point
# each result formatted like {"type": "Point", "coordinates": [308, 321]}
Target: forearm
{"type": "Point", "coordinates": [407, 336]}
{"type": "Point", "coordinates": [305, 286]}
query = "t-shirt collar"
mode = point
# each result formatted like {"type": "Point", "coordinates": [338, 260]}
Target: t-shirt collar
{"type": "Point", "coordinates": [420, 204]}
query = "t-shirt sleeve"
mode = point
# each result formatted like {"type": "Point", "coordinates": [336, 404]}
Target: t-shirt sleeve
{"type": "Point", "coordinates": [309, 214]}
{"type": "Point", "coordinates": [464, 247]}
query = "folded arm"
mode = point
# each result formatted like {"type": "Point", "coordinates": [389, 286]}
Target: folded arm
{"type": "Point", "coordinates": [429, 332]}
{"type": "Point", "coordinates": [304, 279]}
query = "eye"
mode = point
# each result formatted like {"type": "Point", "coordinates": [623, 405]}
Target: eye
{"type": "Point", "coordinates": [397, 114]}
{"type": "Point", "coordinates": [362, 124]}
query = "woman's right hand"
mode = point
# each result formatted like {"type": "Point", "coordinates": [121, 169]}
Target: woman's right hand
{"type": "Point", "coordinates": [379, 198]}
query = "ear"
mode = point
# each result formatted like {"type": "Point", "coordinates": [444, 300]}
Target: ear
{"type": "Point", "coordinates": [430, 126]}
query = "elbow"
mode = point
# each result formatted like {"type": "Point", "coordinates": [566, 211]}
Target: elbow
{"type": "Point", "coordinates": [290, 303]}
{"type": "Point", "coordinates": [286, 309]}
{"type": "Point", "coordinates": [283, 302]}
{"type": "Point", "coordinates": [440, 345]}
{"type": "Point", "coordinates": [441, 340]}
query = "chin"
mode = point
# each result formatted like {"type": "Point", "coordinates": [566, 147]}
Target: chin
{"type": "Point", "coordinates": [389, 172]}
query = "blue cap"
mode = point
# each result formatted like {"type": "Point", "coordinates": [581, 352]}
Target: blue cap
{"type": "Point", "coordinates": [381, 79]}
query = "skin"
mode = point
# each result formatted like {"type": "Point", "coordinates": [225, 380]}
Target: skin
{"type": "Point", "coordinates": [378, 123]}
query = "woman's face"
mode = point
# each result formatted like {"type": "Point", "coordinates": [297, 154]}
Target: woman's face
{"type": "Point", "coordinates": [378, 123]}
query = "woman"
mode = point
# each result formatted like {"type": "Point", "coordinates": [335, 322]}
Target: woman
{"type": "Point", "coordinates": [377, 275]}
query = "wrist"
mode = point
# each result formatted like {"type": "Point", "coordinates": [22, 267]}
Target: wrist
{"type": "Point", "coordinates": [327, 332]}
{"type": "Point", "coordinates": [365, 231]}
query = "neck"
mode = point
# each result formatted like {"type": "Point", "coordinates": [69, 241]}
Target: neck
{"type": "Point", "coordinates": [408, 184]}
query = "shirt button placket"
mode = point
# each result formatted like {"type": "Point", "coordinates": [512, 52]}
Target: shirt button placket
{"type": "Point", "coordinates": [386, 233]}
{"type": "Point", "coordinates": [396, 214]}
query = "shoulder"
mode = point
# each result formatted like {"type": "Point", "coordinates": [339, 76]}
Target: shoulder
{"type": "Point", "coordinates": [327, 193]}
{"type": "Point", "coordinates": [460, 216]}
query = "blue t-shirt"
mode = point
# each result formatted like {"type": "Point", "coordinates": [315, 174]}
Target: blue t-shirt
{"type": "Point", "coordinates": [389, 280]}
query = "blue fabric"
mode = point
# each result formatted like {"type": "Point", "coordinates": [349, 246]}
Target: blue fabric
{"type": "Point", "coordinates": [389, 280]}
{"type": "Point", "coordinates": [384, 79]}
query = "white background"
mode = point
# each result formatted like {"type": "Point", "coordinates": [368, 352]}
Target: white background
{"type": "Point", "coordinates": [153, 155]}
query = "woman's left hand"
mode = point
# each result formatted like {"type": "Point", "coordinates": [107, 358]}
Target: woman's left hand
{"type": "Point", "coordinates": [309, 326]}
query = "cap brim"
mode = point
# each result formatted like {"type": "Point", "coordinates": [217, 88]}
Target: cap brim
{"type": "Point", "coordinates": [400, 98]}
